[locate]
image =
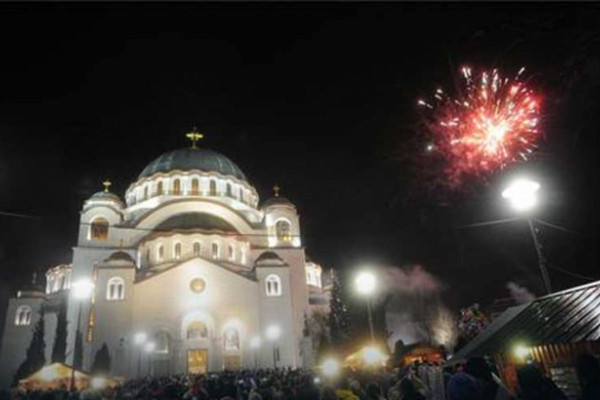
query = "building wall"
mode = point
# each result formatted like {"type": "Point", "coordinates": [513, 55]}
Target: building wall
{"type": "Point", "coordinates": [16, 339]}
{"type": "Point", "coordinates": [166, 302]}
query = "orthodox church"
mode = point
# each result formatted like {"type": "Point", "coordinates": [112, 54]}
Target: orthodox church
{"type": "Point", "coordinates": [189, 273]}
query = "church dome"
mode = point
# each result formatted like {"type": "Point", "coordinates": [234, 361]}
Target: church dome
{"type": "Point", "coordinates": [193, 159]}
{"type": "Point", "coordinates": [103, 195]}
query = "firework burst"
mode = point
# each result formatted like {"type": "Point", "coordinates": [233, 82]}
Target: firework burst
{"type": "Point", "coordinates": [491, 123]}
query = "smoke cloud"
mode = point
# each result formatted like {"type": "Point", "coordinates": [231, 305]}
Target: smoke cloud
{"type": "Point", "coordinates": [519, 293]}
{"type": "Point", "coordinates": [410, 280]}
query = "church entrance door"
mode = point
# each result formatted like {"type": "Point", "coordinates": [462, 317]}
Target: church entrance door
{"type": "Point", "coordinates": [232, 362]}
{"type": "Point", "coordinates": [197, 361]}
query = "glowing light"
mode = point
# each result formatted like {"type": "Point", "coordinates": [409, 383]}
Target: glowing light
{"type": "Point", "coordinates": [139, 338]}
{"type": "Point", "coordinates": [255, 342]}
{"type": "Point", "coordinates": [98, 382]}
{"type": "Point", "coordinates": [273, 332]}
{"type": "Point", "coordinates": [372, 355]}
{"type": "Point", "coordinates": [330, 367]}
{"type": "Point", "coordinates": [365, 283]}
{"type": "Point", "coordinates": [489, 124]}
{"type": "Point", "coordinates": [82, 289]}
{"type": "Point", "coordinates": [149, 347]}
{"type": "Point", "coordinates": [521, 351]}
{"type": "Point", "coordinates": [522, 194]}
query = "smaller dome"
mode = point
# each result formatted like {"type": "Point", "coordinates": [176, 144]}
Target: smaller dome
{"type": "Point", "coordinates": [120, 256]}
{"type": "Point", "coordinates": [269, 258]}
{"type": "Point", "coordinates": [277, 201]}
{"type": "Point", "coordinates": [103, 195]}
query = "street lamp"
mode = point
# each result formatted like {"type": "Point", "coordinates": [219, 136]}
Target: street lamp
{"type": "Point", "coordinates": [365, 284]}
{"type": "Point", "coordinates": [522, 196]}
{"type": "Point", "coordinates": [149, 348]}
{"type": "Point", "coordinates": [139, 339]}
{"type": "Point", "coordinates": [81, 290]}
{"type": "Point", "coordinates": [255, 345]}
{"type": "Point", "coordinates": [273, 333]}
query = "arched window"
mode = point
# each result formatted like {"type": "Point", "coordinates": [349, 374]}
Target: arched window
{"type": "Point", "coordinates": [197, 249]}
{"type": "Point", "coordinates": [177, 187]}
{"type": "Point", "coordinates": [242, 197]}
{"type": "Point", "coordinates": [195, 185]}
{"type": "Point", "coordinates": [231, 339]}
{"type": "Point", "coordinates": [148, 255]}
{"type": "Point", "coordinates": [231, 253]}
{"type": "Point", "coordinates": [145, 193]}
{"type": "Point", "coordinates": [23, 316]}
{"type": "Point", "coordinates": [160, 253]}
{"type": "Point", "coordinates": [99, 230]}
{"type": "Point", "coordinates": [215, 250]}
{"type": "Point", "coordinates": [229, 191]}
{"type": "Point", "coordinates": [115, 288]}
{"type": "Point", "coordinates": [283, 230]}
{"type": "Point", "coordinates": [159, 188]}
{"type": "Point", "coordinates": [177, 251]}
{"type": "Point", "coordinates": [273, 285]}
{"type": "Point", "coordinates": [212, 188]}
{"type": "Point", "coordinates": [163, 342]}
{"type": "Point", "coordinates": [197, 330]}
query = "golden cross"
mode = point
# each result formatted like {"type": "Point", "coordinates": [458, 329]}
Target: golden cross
{"type": "Point", "coordinates": [194, 136]}
{"type": "Point", "coordinates": [106, 185]}
{"type": "Point", "coordinates": [276, 189]}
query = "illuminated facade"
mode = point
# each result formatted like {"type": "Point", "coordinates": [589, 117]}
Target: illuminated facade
{"type": "Point", "coordinates": [190, 260]}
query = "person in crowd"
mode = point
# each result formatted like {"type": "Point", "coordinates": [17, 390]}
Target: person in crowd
{"type": "Point", "coordinates": [343, 391]}
{"type": "Point", "coordinates": [373, 392]}
{"type": "Point", "coordinates": [588, 372]}
{"type": "Point", "coordinates": [408, 391]}
{"type": "Point", "coordinates": [479, 369]}
{"type": "Point", "coordinates": [533, 385]}
{"type": "Point", "coordinates": [463, 386]}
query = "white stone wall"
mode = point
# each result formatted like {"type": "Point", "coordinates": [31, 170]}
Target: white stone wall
{"type": "Point", "coordinates": [165, 302]}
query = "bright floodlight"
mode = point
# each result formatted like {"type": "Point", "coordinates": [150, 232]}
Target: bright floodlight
{"type": "Point", "coordinates": [522, 194]}
{"type": "Point", "coordinates": [255, 342]}
{"type": "Point", "coordinates": [273, 332]}
{"type": "Point", "coordinates": [82, 289]}
{"type": "Point", "coordinates": [365, 283]}
{"type": "Point", "coordinates": [98, 382]}
{"type": "Point", "coordinates": [330, 367]}
{"type": "Point", "coordinates": [521, 351]}
{"type": "Point", "coordinates": [149, 347]}
{"type": "Point", "coordinates": [372, 355]}
{"type": "Point", "coordinates": [139, 338]}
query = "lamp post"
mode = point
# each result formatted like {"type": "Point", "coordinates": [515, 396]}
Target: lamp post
{"type": "Point", "coordinates": [149, 348]}
{"type": "Point", "coordinates": [273, 333]}
{"type": "Point", "coordinates": [82, 290]}
{"type": "Point", "coordinates": [522, 196]}
{"type": "Point", "coordinates": [139, 339]}
{"type": "Point", "coordinates": [255, 345]}
{"type": "Point", "coordinates": [365, 284]}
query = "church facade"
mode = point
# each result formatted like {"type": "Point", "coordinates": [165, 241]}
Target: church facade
{"type": "Point", "coordinates": [189, 273]}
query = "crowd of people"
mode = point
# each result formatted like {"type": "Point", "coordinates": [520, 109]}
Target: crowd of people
{"type": "Point", "coordinates": [474, 380]}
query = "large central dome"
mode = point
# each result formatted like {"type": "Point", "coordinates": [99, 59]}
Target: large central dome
{"type": "Point", "coordinates": [191, 159]}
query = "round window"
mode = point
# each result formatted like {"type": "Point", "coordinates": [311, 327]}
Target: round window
{"type": "Point", "coordinates": [197, 285]}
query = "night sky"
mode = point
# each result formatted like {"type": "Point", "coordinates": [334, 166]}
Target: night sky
{"type": "Point", "coordinates": [320, 98]}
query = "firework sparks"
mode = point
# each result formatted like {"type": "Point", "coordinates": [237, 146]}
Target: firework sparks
{"type": "Point", "coordinates": [491, 123]}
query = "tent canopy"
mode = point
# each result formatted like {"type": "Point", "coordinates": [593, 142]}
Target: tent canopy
{"type": "Point", "coordinates": [570, 316]}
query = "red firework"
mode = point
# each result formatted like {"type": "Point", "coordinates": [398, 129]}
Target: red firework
{"type": "Point", "coordinates": [491, 123]}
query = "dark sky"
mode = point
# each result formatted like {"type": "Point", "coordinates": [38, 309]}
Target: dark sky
{"type": "Point", "coordinates": [318, 97]}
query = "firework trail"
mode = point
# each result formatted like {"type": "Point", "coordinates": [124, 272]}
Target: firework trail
{"type": "Point", "coordinates": [491, 123]}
